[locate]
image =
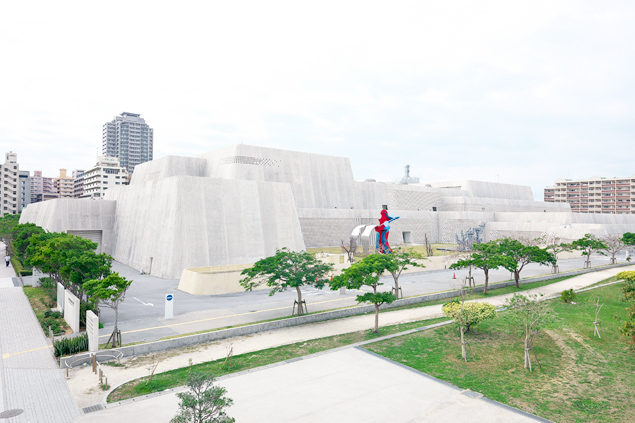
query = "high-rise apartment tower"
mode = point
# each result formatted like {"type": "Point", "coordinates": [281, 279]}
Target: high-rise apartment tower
{"type": "Point", "coordinates": [9, 184]}
{"type": "Point", "coordinates": [128, 138]}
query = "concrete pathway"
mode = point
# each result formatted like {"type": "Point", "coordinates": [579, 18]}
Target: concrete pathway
{"type": "Point", "coordinates": [83, 382]}
{"type": "Point", "coordinates": [351, 385]}
{"type": "Point", "coordinates": [29, 381]}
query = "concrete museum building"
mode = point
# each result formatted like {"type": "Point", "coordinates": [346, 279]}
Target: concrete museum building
{"type": "Point", "coordinates": [236, 205]}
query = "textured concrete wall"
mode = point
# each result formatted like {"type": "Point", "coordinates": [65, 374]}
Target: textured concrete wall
{"type": "Point", "coordinates": [317, 181]}
{"type": "Point", "coordinates": [488, 189]}
{"type": "Point", "coordinates": [186, 221]}
{"type": "Point", "coordinates": [64, 215]}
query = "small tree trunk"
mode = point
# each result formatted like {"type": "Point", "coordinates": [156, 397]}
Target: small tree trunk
{"type": "Point", "coordinates": [486, 271]}
{"type": "Point", "coordinates": [527, 358]}
{"type": "Point", "coordinates": [299, 300]}
{"type": "Point", "coordinates": [116, 329]}
{"type": "Point", "coordinates": [376, 318]}
{"type": "Point", "coordinates": [396, 278]}
{"type": "Point", "coordinates": [517, 278]}
{"type": "Point", "coordinates": [463, 353]}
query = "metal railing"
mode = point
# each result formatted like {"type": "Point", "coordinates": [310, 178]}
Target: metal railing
{"type": "Point", "coordinates": [97, 368]}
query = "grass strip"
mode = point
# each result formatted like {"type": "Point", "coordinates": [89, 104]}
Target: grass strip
{"type": "Point", "coordinates": [582, 378]}
{"type": "Point", "coordinates": [177, 377]}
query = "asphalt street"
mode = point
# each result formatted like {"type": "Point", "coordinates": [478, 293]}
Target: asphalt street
{"type": "Point", "coordinates": [141, 315]}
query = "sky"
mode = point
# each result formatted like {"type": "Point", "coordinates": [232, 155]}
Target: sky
{"type": "Point", "coordinates": [501, 91]}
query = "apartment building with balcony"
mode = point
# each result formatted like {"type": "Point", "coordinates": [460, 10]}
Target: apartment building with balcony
{"type": "Point", "coordinates": [64, 185]}
{"type": "Point", "coordinates": [9, 184]}
{"type": "Point", "coordinates": [24, 197]}
{"type": "Point", "coordinates": [37, 185]}
{"type": "Point", "coordinates": [107, 173]}
{"type": "Point", "coordinates": [129, 138]}
{"type": "Point", "coordinates": [78, 183]}
{"type": "Point", "coordinates": [594, 195]}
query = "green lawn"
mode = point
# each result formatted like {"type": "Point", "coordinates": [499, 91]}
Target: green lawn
{"type": "Point", "coordinates": [582, 379]}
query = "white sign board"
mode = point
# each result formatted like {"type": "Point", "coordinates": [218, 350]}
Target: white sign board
{"type": "Point", "coordinates": [169, 306]}
{"type": "Point", "coordinates": [71, 310]}
{"type": "Point", "coordinates": [60, 297]}
{"type": "Point", "coordinates": [92, 329]}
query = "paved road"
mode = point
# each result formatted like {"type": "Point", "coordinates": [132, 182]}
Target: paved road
{"type": "Point", "coordinates": [29, 381]}
{"type": "Point", "coordinates": [141, 314]}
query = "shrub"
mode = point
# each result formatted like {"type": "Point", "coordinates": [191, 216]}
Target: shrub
{"type": "Point", "coordinates": [53, 314]}
{"type": "Point", "coordinates": [19, 268]}
{"type": "Point", "coordinates": [568, 295]}
{"type": "Point", "coordinates": [83, 308]}
{"type": "Point", "coordinates": [472, 313]}
{"type": "Point", "coordinates": [47, 283]}
{"type": "Point", "coordinates": [70, 346]}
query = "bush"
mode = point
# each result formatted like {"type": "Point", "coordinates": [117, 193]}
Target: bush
{"type": "Point", "coordinates": [53, 314]}
{"type": "Point", "coordinates": [47, 283]}
{"type": "Point", "coordinates": [70, 346]}
{"type": "Point", "coordinates": [19, 268]}
{"type": "Point", "coordinates": [472, 313]}
{"type": "Point", "coordinates": [83, 308]}
{"type": "Point", "coordinates": [568, 295]}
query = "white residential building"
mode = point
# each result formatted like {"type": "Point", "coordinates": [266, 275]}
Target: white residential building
{"type": "Point", "coordinates": [9, 184]}
{"type": "Point", "coordinates": [107, 173]}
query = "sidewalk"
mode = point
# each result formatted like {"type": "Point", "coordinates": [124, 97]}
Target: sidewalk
{"type": "Point", "coordinates": [30, 381]}
{"type": "Point", "coordinates": [83, 382]}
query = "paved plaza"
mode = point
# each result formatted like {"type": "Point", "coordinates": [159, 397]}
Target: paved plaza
{"type": "Point", "coordinates": [29, 377]}
{"type": "Point", "coordinates": [349, 385]}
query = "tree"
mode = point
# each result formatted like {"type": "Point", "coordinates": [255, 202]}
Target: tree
{"type": "Point", "coordinates": [68, 259]}
{"type": "Point", "coordinates": [287, 269]}
{"type": "Point", "coordinates": [367, 273]}
{"type": "Point", "coordinates": [467, 315]}
{"type": "Point", "coordinates": [629, 295]}
{"type": "Point", "coordinates": [22, 234]}
{"type": "Point", "coordinates": [629, 238]}
{"type": "Point", "coordinates": [485, 256]}
{"type": "Point", "coordinates": [7, 224]}
{"type": "Point", "coordinates": [110, 292]}
{"type": "Point", "coordinates": [614, 244]}
{"type": "Point", "coordinates": [351, 249]}
{"type": "Point", "coordinates": [555, 245]}
{"type": "Point", "coordinates": [399, 261]}
{"type": "Point", "coordinates": [204, 402]}
{"type": "Point", "coordinates": [528, 315]}
{"type": "Point", "coordinates": [589, 244]}
{"type": "Point", "coordinates": [519, 255]}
